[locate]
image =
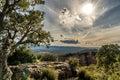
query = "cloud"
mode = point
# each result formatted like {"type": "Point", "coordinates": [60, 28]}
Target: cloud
{"type": "Point", "coordinates": [108, 19]}
{"type": "Point", "coordinates": [74, 24]}
{"type": "Point", "coordinates": [104, 36]}
{"type": "Point", "coordinates": [102, 27]}
{"type": "Point", "coordinates": [70, 41]}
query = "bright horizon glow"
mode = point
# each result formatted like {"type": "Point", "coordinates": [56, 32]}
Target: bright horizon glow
{"type": "Point", "coordinates": [87, 9]}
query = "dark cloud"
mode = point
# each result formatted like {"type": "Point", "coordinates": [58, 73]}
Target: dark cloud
{"type": "Point", "coordinates": [110, 18]}
{"type": "Point", "coordinates": [70, 41]}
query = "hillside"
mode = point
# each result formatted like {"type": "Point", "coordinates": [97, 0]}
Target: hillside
{"type": "Point", "coordinates": [60, 49]}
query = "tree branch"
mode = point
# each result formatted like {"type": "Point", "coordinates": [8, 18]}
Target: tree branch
{"type": "Point", "coordinates": [9, 34]}
{"type": "Point", "coordinates": [31, 41]}
{"type": "Point", "coordinates": [2, 14]}
{"type": "Point", "coordinates": [14, 34]}
{"type": "Point", "coordinates": [5, 7]}
{"type": "Point", "coordinates": [25, 34]}
{"type": "Point", "coordinates": [11, 7]}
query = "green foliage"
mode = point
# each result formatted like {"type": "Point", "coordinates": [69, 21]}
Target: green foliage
{"type": "Point", "coordinates": [48, 57]}
{"type": "Point", "coordinates": [84, 75]}
{"type": "Point", "coordinates": [30, 78]}
{"type": "Point", "coordinates": [114, 77]}
{"type": "Point", "coordinates": [74, 63]}
{"type": "Point", "coordinates": [114, 72]}
{"type": "Point", "coordinates": [36, 75]}
{"type": "Point", "coordinates": [46, 73]}
{"type": "Point", "coordinates": [21, 55]}
{"type": "Point", "coordinates": [107, 55]}
{"type": "Point", "coordinates": [96, 73]}
{"type": "Point", "coordinates": [21, 24]}
{"type": "Point", "coordinates": [50, 74]}
{"type": "Point", "coordinates": [91, 72]}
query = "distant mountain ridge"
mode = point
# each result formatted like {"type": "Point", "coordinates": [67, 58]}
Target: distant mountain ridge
{"type": "Point", "coordinates": [60, 49]}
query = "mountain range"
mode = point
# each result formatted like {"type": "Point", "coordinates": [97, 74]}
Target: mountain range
{"type": "Point", "coordinates": [60, 49]}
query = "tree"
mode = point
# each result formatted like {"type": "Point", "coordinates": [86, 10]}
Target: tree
{"type": "Point", "coordinates": [107, 55]}
{"type": "Point", "coordinates": [20, 24]}
{"type": "Point", "coordinates": [21, 55]}
{"type": "Point", "coordinates": [48, 57]}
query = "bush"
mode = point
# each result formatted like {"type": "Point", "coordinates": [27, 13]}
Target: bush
{"type": "Point", "coordinates": [21, 55]}
{"type": "Point", "coordinates": [48, 57]}
{"type": "Point", "coordinates": [50, 74]}
{"type": "Point", "coordinates": [84, 75]}
{"type": "Point", "coordinates": [114, 76]}
{"type": "Point", "coordinates": [36, 75]}
{"type": "Point", "coordinates": [107, 55]}
{"type": "Point", "coordinates": [45, 73]}
{"type": "Point", "coordinates": [73, 62]}
{"type": "Point", "coordinates": [90, 73]}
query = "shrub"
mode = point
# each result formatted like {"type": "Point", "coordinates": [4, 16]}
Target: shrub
{"type": "Point", "coordinates": [73, 62]}
{"type": "Point", "coordinates": [21, 55]}
{"type": "Point", "coordinates": [115, 72]}
{"type": "Point", "coordinates": [114, 76]}
{"type": "Point", "coordinates": [92, 73]}
{"type": "Point", "coordinates": [50, 74]}
{"type": "Point", "coordinates": [30, 78]}
{"type": "Point", "coordinates": [46, 73]}
{"type": "Point", "coordinates": [36, 75]}
{"type": "Point", "coordinates": [84, 75]}
{"type": "Point", "coordinates": [48, 57]}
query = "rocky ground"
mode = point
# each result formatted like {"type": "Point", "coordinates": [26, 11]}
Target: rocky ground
{"type": "Point", "coordinates": [62, 68]}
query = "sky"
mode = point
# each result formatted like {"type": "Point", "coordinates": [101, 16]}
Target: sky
{"type": "Point", "coordinates": [82, 22]}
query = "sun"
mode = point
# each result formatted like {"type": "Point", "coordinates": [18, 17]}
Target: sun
{"type": "Point", "coordinates": [87, 9]}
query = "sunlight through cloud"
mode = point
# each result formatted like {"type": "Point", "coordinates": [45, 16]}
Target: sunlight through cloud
{"type": "Point", "coordinates": [87, 9]}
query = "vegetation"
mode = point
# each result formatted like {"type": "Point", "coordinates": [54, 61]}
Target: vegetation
{"type": "Point", "coordinates": [48, 57]}
{"type": "Point", "coordinates": [74, 63]}
{"type": "Point", "coordinates": [84, 75]}
{"type": "Point", "coordinates": [107, 55]}
{"type": "Point", "coordinates": [21, 55]}
{"type": "Point", "coordinates": [108, 64]}
{"type": "Point", "coordinates": [46, 73]}
{"type": "Point", "coordinates": [35, 75]}
{"type": "Point", "coordinates": [95, 73]}
{"type": "Point", "coordinates": [103, 70]}
{"type": "Point", "coordinates": [91, 73]}
{"type": "Point", "coordinates": [49, 74]}
{"type": "Point", "coordinates": [19, 24]}
{"type": "Point", "coordinates": [84, 56]}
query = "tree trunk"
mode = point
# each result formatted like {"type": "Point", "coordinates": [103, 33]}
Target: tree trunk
{"type": "Point", "coordinates": [5, 72]}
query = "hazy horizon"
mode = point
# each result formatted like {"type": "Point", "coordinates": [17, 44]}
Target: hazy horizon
{"type": "Point", "coordinates": [60, 49]}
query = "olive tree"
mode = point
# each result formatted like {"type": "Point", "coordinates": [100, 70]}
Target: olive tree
{"type": "Point", "coordinates": [20, 24]}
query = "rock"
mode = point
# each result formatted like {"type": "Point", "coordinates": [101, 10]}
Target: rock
{"type": "Point", "coordinates": [34, 69]}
